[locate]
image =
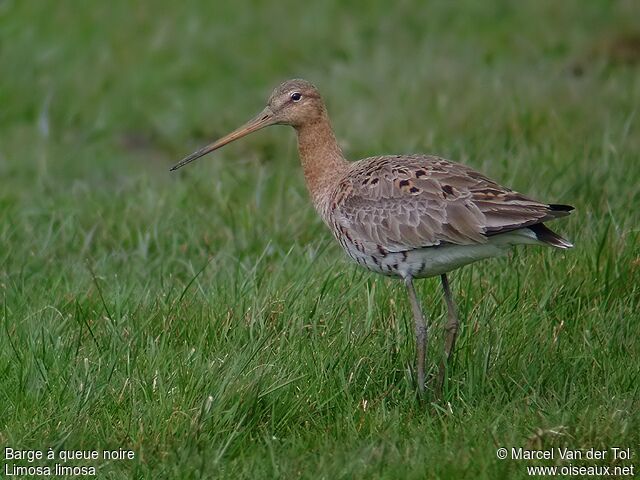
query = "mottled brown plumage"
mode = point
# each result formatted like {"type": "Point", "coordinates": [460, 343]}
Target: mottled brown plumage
{"type": "Point", "coordinates": [404, 202]}
{"type": "Point", "coordinates": [408, 216]}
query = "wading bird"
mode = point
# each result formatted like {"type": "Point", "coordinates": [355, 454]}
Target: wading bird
{"type": "Point", "coordinates": [405, 216]}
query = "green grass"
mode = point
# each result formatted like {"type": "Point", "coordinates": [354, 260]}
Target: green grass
{"type": "Point", "coordinates": [206, 319]}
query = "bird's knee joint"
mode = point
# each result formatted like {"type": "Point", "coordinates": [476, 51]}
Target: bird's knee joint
{"type": "Point", "coordinates": [451, 327]}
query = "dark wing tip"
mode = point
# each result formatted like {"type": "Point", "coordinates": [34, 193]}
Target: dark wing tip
{"type": "Point", "coordinates": [558, 207]}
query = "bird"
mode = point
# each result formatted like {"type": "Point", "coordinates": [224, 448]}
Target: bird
{"type": "Point", "coordinates": [404, 216]}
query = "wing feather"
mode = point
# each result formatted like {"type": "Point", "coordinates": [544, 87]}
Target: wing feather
{"type": "Point", "coordinates": [406, 202]}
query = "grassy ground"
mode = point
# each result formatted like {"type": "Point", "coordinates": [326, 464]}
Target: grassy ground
{"type": "Point", "coordinates": [207, 321]}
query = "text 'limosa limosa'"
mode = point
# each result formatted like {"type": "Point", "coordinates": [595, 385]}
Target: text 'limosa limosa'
{"type": "Point", "coordinates": [406, 216]}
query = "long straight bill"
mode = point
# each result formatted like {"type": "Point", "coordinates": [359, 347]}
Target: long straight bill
{"type": "Point", "coordinates": [263, 119]}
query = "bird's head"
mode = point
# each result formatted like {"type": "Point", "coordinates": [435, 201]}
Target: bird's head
{"type": "Point", "coordinates": [294, 102]}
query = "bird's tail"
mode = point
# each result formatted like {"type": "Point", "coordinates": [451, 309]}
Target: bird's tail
{"type": "Point", "coordinates": [548, 236]}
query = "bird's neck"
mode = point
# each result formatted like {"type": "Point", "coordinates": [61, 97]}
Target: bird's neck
{"type": "Point", "coordinates": [322, 160]}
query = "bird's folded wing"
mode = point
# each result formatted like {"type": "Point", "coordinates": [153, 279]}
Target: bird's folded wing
{"type": "Point", "coordinates": [406, 202]}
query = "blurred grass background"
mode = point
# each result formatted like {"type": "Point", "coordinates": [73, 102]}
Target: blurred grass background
{"type": "Point", "coordinates": [206, 319]}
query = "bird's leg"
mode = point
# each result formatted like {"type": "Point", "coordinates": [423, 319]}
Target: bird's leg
{"type": "Point", "coordinates": [421, 332]}
{"type": "Point", "coordinates": [451, 331]}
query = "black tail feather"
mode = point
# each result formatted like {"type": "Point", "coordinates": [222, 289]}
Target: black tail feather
{"type": "Point", "coordinates": [548, 236]}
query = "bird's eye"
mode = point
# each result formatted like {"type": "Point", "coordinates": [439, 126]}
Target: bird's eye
{"type": "Point", "coordinates": [296, 96]}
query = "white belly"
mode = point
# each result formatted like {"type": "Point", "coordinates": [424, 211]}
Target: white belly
{"type": "Point", "coordinates": [433, 261]}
